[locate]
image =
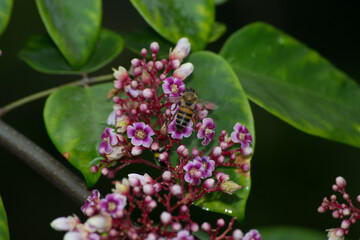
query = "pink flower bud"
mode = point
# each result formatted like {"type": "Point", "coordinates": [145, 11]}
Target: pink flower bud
{"type": "Point", "coordinates": [151, 236]}
{"type": "Point", "coordinates": [154, 47]}
{"type": "Point", "coordinates": [340, 182]}
{"type": "Point", "coordinates": [345, 224]}
{"type": "Point", "coordinates": [245, 167]}
{"type": "Point", "coordinates": [149, 189]}
{"type": "Point", "coordinates": [246, 151]}
{"type": "Point", "coordinates": [175, 190]}
{"type": "Point", "coordinates": [157, 187]}
{"type": "Point", "coordinates": [167, 176]}
{"type": "Point", "coordinates": [194, 227]}
{"type": "Point", "coordinates": [181, 49]}
{"type": "Point", "coordinates": [94, 169]}
{"type": "Point", "coordinates": [195, 152]}
{"type": "Point", "coordinates": [180, 149]}
{"type": "Point", "coordinates": [148, 93]}
{"type": "Point", "coordinates": [134, 84]}
{"type": "Point", "coordinates": [209, 183]}
{"type": "Point", "coordinates": [174, 64]}
{"type": "Point", "coordinates": [183, 71]}
{"type": "Point", "coordinates": [358, 198]}
{"type": "Point", "coordinates": [162, 77]}
{"type": "Point", "coordinates": [206, 227]}
{"type": "Point", "coordinates": [136, 151]}
{"type": "Point", "coordinates": [335, 214]}
{"type": "Point", "coordinates": [136, 62]}
{"type": "Point", "coordinates": [146, 79]}
{"type": "Point", "coordinates": [237, 234]}
{"type": "Point", "coordinates": [165, 218]}
{"type": "Point", "coordinates": [152, 205]}
{"type": "Point", "coordinates": [217, 151]}
{"type": "Point", "coordinates": [176, 226]}
{"type": "Point", "coordinates": [155, 146]}
{"type": "Point", "coordinates": [335, 187]}
{"type": "Point", "coordinates": [346, 196]}
{"type": "Point", "coordinates": [224, 145]}
{"type": "Point", "coordinates": [121, 74]}
{"type": "Point", "coordinates": [60, 224]}
{"type": "Point", "coordinates": [185, 153]}
{"type": "Point", "coordinates": [220, 159]}
{"type": "Point", "coordinates": [321, 209]}
{"type": "Point", "coordinates": [104, 171]}
{"type": "Point", "coordinates": [137, 71]}
{"type": "Point", "coordinates": [184, 209]}
{"type": "Point", "coordinates": [222, 176]}
{"type": "Point", "coordinates": [148, 199]}
{"type": "Point", "coordinates": [143, 107]}
{"type": "Point", "coordinates": [143, 52]}
{"type": "Point", "coordinates": [163, 156]}
{"type": "Point", "coordinates": [158, 65]}
{"type": "Point", "coordinates": [220, 222]}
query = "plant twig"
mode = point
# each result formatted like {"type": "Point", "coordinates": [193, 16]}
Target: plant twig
{"type": "Point", "coordinates": [43, 163]}
{"type": "Point", "coordinates": [47, 92]}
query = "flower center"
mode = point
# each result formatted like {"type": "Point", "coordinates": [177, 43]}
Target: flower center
{"type": "Point", "coordinates": [107, 139]}
{"type": "Point", "coordinates": [192, 171]}
{"type": "Point", "coordinates": [111, 206]}
{"type": "Point", "coordinates": [140, 134]}
{"type": "Point", "coordinates": [241, 136]}
{"type": "Point", "coordinates": [174, 88]}
{"type": "Point", "coordinates": [208, 131]}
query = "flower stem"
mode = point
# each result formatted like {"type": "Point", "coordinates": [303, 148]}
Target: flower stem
{"type": "Point", "coordinates": [43, 163]}
{"type": "Point", "coordinates": [82, 82]}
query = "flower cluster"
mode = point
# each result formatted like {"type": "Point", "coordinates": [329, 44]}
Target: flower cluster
{"type": "Point", "coordinates": [346, 211]}
{"type": "Point", "coordinates": [155, 114]}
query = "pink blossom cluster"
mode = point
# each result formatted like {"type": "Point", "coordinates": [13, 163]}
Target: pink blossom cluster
{"type": "Point", "coordinates": [109, 217]}
{"type": "Point", "coordinates": [147, 100]}
{"type": "Point", "coordinates": [347, 211]}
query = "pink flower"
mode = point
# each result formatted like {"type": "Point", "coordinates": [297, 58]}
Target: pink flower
{"type": "Point", "coordinates": [109, 139]}
{"type": "Point", "coordinates": [207, 165]}
{"type": "Point", "coordinates": [90, 201]}
{"type": "Point", "coordinates": [253, 234]}
{"type": "Point", "coordinates": [113, 203]}
{"type": "Point", "coordinates": [206, 131]}
{"type": "Point", "coordinates": [173, 87]}
{"type": "Point", "coordinates": [140, 134]}
{"type": "Point", "coordinates": [194, 171]}
{"type": "Point", "coordinates": [176, 134]}
{"type": "Point", "coordinates": [241, 135]}
{"type": "Point", "coordinates": [184, 235]}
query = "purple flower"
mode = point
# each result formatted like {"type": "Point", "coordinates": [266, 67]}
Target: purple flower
{"type": "Point", "coordinates": [194, 171]}
{"type": "Point", "coordinates": [173, 87]}
{"type": "Point", "coordinates": [140, 134]}
{"type": "Point", "coordinates": [241, 135]}
{"type": "Point", "coordinates": [109, 139]}
{"type": "Point", "coordinates": [206, 131]}
{"type": "Point", "coordinates": [207, 164]}
{"type": "Point", "coordinates": [253, 234]}
{"type": "Point", "coordinates": [175, 134]}
{"type": "Point", "coordinates": [90, 201]}
{"type": "Point", "coordinates": [113, 203]}
{"type": "Point", "coordinates": [183, 235]}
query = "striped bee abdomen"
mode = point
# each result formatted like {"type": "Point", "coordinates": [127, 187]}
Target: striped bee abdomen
{"type": "Point", "coordinates": [183, 117]}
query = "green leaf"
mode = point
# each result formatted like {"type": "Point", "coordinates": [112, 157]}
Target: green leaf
{"type": "Point", "coordinates": [290, 232]}
{"type": "Point", "coordinates": [74, 26]}
{"type": "Point", "coordinates": [4, 230]}
{"type": "Point", "coordinates": [137, 40]}
{"type": "Point", "coordinates": [218, 29]}
{"type": "Point", "coordinates": [181, 18]}
{"type": "Point", "coordinates": [216, 82]}
{"type": "Point", "coordinates": [75, 118]}
{"type": "Point", "coordinates": [5, 12]}
{"type": "Point", "coordinates": [295, 83]}
{"type": "Point", "coordinates": [42, 55]}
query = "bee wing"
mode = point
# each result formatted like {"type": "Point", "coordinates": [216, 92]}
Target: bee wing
{"type": "Point", "coordinates": [174, 99]}
{"type": "Point", "coordinates": [209, 105]}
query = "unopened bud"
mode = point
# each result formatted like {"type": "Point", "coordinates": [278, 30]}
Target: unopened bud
{"type": "Point", "coordinates": [209, 183]}
{"type": "Point", "coordinates": [73, 236]}
{"type": "Point", "coordinates": [237, 234]}
{"type": "Point", "coordinates": [183, 71]}
{"type": "Point", "coordinates": [340, 182]}
{"type": "Point", "coordinates": [194, 227]}
{"type": "Point", "coordinates": [165, 218]}
{"type": "Point", "coordinates": [181, 49]}
{"type": "Point", "coordinates": [98, 223]}
{"type": "Point", "coordinates": [149, 189]}
{"type": "Point", "coordinates": [143, 52]}
{"type": "Point", "coordinates": [158, 65]}
{"type": "Point", "coordinates": [136, 62]}
{"type": "Point", "coordinates": [60, 224]}
{"type": "Point", "coordinates": [148, 93]}
{"type": "Point", "coordinates": [136, 151]}
{"type": "Point", "coordinates": [174, 64]}
{"type": "Point", "coordinates": [154, 47]}
{"type": "Point", "coordinates": [176, 226]}
{"type": "Point", "coordinates": [121, 74]}
{"type": "Point", "coordinates": [206, 227]}
{"type": "Point", "coordinates": [167, 176]}
{"type": "Point", "coordinates": [220, 222]}
{"type": "Point", "coordinates": [345, 224]}
{"type": "Point", "coordinates": [217, 151]}
{"type": "Point", "coordinates": [230, 187]}
{"type": "Point", "coordinates": [145, 77]}
{"type": "Point", "coordinates": [175, 190]}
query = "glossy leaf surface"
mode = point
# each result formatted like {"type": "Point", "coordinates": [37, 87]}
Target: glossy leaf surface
{"type": "Point", "coordinates": [4, 230]}
{"type": "Point", "coordinates": [41, 54]}
{"type": "Point", "coordinates": [291, 232]}
{"type": "Point", "coordinates": [216, 82]}
{"type": "Point", "coordinates": [75, 119]}
{"type": "Point", "coordinates": [5, 12]}
{"type": "Point", "coordinates": [295, 83]}
{"type": "Point", "coordinates": [217, 31]}
{"type": "Point", "coordinates": [181, 18]}
{"type": "Point", "coordinates": [137, 40]}
{"type": "Point", "coordinates": [74, 26]}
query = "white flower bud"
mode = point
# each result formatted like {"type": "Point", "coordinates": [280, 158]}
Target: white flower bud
{"type": "Point", "coordinates": [165, 218]}
{"type": "Point", "coordinates": [98, 223]}
{"type": "Point", "coordinates": [72, 236]}
{"type": "Point", "coordinates": [183, 71]}
{"type": "Point", "coordinates": [181, 49]}
{"type": "Point", "coordinates": [60, 224]}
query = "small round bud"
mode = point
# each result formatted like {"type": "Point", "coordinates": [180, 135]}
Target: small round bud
{"type": "Point", "coordinates": [222, 176]}
{"type": "Point", "coordinates": [143, 52]}
{"type": "Point", "coordinates": [154, 47]}
{"type": "Point", "coordinates": [180, 149]}
{"type": "Point", "coordinates": [232, 157]}
{"type": "Point", "coordinates": [346, 196]}
{"type": "Point", "coordinates": [134, 84]}
{"type": "Point", "coordinates": [60, 224]}
{"type": "Point", "coordinates": [333, 197]}
{"type": "Point", "coordinates": [206, 227]}
{"type": "Point", "coordinates": [346, 212]}
{"type": "Point", "coordinates": [195, 152]}
{"type": "Point", "coordinates": [94, 169]}
{"type": "Point", "coordinates": [165, 218]}
{"type": "Point", "coordinates": [185, 153]}
{"type": "Point", "coordinates": [335, 187]}
{"type": "Point", "coordinates": [158, 65]}
{"type": "Point", "coordinates": [176, 226]}
{"type": "Point", "coordinates": [245, 167]}
{"type": "Point", "coordinates": [358, 198]}
{"type": "Point", "coordinates": [148, 199]}
{"type": "Point", "coordinates": [151, 236]}
{"type": "Point", "coordinates": [335, 214]}
{"type": "Point", "coordinates": [174, 64]}
{"type": "Point", "coordinates": [217, 151]}
{"type": "Point", "coordinates": [155, 146]}
{"type": "Point", "coordinates": [340, 182]}
{"type": "Point", "coordinates": [136, 62]}
{"type": "Point", "coordinates": [162, 77]}
{"type": "Point", "coordinates": [163, 156]}
{"type": "Point", "coordinates": [143, 107]}
{"type": "Point", "coordinates": [220, 159]}
{"type": "Point", "coordinates": [246, 151]}
{"type": "Point", "coordinates": [321, 209]}
{"type": "Point", "coordinates": [137, 71]}
{"type": "Point", "coordinates": [152, 205]}
{"type": "Point", "coordinates": [136, 151]}
{"type": "Point", "coordinates": [220, 222]}
{"type": "Point", "coordinates": [104, 171]}
{"type": "Point", "coordinates": [175, 190]}
{"type": "Point", "coordinates": [209, 183]}
{"type": "Point", "coordinates": [194, 227]}
{"type": "Point", "coordinates": [157, 187]}
{"type": "Point", "coordinates": [167, 176]}
{"type": "Point", "coordinates": [339, 232]}
{"type": "Point", "coordinates": [149, 189]}
{"type": "Point", "coordinates": [136, 190]}
{"type": "Point", "coordinates": [148, 93]}
{"type": "Point", "coordinates": [224, 145]}
{"type": "Point", "coordinates": [237, 234]}
{"type": "Point", "coordinates": [184, 209]}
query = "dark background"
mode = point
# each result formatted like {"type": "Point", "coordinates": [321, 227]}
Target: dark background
{"type": "Point", "coordinates": [291, 171]}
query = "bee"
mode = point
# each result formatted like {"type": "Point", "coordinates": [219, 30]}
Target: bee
{"type": "Point", "coordinates": [188, 100]}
